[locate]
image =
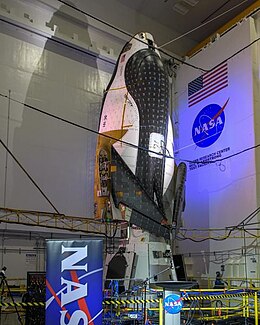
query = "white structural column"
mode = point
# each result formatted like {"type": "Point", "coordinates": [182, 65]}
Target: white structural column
{"type": "Point", "coordinates": [171, 319]}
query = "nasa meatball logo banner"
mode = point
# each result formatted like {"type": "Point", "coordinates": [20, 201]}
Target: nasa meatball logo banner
{"type": "Point", "coordinates": [74, 282]}
{"type": "Point", "coordinates": [173, 304]}
{"type": "Point", "coordinates": [208, 125]}
{"type": "Point", "coordinates": [209, 104]}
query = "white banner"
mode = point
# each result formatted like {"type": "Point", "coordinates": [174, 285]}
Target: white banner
{"type": "Point", "coordinates": [216, 120]}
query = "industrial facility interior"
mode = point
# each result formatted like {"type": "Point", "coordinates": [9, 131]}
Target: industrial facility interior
{"type": "Point", "coordinates": [129, 162]}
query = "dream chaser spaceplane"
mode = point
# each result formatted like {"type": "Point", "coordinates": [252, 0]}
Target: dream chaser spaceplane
{"type": "Point", "coordinates": [135, 169]}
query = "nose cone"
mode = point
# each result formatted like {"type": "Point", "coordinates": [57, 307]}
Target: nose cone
{"type": "Point", "coordinates": [145, 36]}
{"type": "Point", "coordinates": [143, 40]}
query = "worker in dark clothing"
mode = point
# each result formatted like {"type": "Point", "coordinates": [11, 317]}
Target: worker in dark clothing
{"type": "Point", "coordinates": [219, 283]}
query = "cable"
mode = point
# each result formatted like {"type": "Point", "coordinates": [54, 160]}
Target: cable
{"type": "Point", "coordinates": [215, 11]}
{"type": "Point", "coordinates": [83, 127]}
{"type": "Point", "coordinates": [235, 54]}
{"type": "Point", "coordinates": [248, 218]}
{"type": "Point", "coordinates": [115, 231]}
{"type": "Point", "coordinates": [96, 132]}
{"type": "Point", "coordinates": [182, 92]}
{"type": "Point", "coordinates": [56, 40]}
{"type": "Point", "coordinates": [159, 48]}
{"type": "Point", "coordinates": [251, 224]}
{"type": "Point", "coordinates": [177, 159]}
{"type": "Point", "coordinates": [251, 234]}
{"type": "Point", "coordinates": [192, 312]}
{"type": "Point", "coordinates": [245, 258]}
{"type": "Point", "coordinates": [201, 25]}
{"type": "Point", "coordinates": [232, 228]}
{"type": "Point", "coordinates": [125, 142]}
{"type": "Point", "coordinates": [128, 34]}
{"type": "Point", "coordinates": [204, 239]}
{"type": "Point", "coordinates": [219, 254]}
{"type": "Point", "coordinates": [7, 144]}
{"type": "Point", "coordinates": [28, 175]}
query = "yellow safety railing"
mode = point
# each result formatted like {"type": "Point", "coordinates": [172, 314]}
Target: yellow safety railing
{"type": "Point", "coordinates": [250, 283]}
{"type": "Point", "coordinates": [246, 304]}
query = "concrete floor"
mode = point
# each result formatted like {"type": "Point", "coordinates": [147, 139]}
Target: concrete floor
{"type": "Point", "coordinates": [11, 319]}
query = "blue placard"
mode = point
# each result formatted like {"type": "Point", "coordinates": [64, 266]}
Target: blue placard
{"type": "Point", "coordinates": [208, 125]}
{"type": "Point", "coordinates": [74, 282]}
{"type": "Point", "coordinates": [172, 304]}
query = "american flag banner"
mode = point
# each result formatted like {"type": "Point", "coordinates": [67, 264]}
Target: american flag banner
{"type": "Point", "coordinates": [207, 84]}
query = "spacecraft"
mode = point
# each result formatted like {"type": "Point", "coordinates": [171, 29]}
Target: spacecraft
{"type": "Point", "coordinates": [136, 177]}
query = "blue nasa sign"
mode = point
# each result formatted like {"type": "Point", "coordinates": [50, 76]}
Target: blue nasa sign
{"type": "Point", "coordinates": [173, 304]}
{"type": "Point", "coordinates": [208, 125]}
{"type": "Point", "coordinates": [74, 282]}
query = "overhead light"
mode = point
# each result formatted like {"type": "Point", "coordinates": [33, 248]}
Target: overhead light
{"type": "Point", "coordinates": [191, 2]}
{"type": "Point", "coordinates": [181, 8]}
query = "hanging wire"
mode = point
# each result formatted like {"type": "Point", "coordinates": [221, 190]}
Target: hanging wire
{"type": "Point", "coordinates": [166, 156]}
{"type": "Point", "coordinates": [202, 25]}
{"type": "Point", "coordinates": [160, 47]}
{"type": "Point", "coordinates": [125, 142]}
{"type": "Point", "coordinates": [29, 176]}
{"type": "Point", "coordinates": [77, 125]}
{"type": "Point", "coordinates": [128, 34]}
{"type": "Point", "coordinates": [239, 226]}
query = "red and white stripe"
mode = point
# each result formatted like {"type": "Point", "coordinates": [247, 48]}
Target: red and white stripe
{"type": "Point", "coordinates": [213, 82]}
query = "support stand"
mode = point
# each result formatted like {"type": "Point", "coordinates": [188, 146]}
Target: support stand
{"type": "Point", "coordinates": [173, 287]}
{"type": "Point", "coordinates": [4, 284]}
{"type": "Point", "coordinates": [145, 282]}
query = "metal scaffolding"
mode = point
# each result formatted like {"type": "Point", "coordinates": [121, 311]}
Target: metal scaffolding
{"type": "Point", "coordinates": [57, 221]}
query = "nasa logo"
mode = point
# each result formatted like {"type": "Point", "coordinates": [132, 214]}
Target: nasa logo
{"type": "Point", "coordinates": [208, 125]}
{"type": "Point", "coordinates": [173, 304]}
{"type": "Point", "coordinates": [74, 290]}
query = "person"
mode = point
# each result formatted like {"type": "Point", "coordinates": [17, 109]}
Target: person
{"type": "Point", "coordinates": [2, 273]}
{"type": "Point", "coordinates": [219, 283]}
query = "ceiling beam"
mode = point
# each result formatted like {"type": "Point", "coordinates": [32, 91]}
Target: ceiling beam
{"type": "Point", "coordinates": [252, 8]}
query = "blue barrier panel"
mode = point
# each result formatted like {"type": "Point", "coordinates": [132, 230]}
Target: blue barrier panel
{"type": "Point", "coordinates": [74, 282]}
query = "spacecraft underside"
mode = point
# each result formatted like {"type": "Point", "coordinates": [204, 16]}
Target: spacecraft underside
{"type": "Point", "coordinates": [134, 160]}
